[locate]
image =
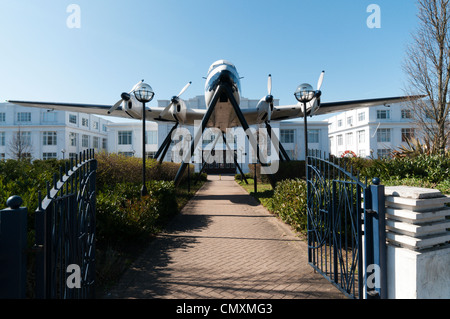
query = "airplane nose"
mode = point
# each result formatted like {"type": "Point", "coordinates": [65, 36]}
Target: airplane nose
{"type": "Point", "coordinates": [225, 76]}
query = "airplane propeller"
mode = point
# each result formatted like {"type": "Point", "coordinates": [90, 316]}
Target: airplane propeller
{"type": "Point", "coordinates": [125, 97]}
{"type": "Point", "coordinates": [319, 84]}
{"type": "Point", "coordinates": [269, 97]}
{"type": "Point", "coordinates": [174, 100]}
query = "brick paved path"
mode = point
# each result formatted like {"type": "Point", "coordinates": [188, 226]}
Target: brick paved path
{"type": "Point", "coordinates": [224, 245]}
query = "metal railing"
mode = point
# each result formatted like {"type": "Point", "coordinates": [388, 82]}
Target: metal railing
{"type": "Point", "coordinates": [64, 236]}
{"type": "Point", "coordinates": [339, 205]}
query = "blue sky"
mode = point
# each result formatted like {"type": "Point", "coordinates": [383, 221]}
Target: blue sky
{"type": "Point", "coordinates": [171, 42]}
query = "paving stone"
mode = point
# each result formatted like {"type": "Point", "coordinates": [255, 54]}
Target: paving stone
{"type": "Point", "coordinates": [224, 245]}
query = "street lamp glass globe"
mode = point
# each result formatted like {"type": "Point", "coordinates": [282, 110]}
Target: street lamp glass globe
{"type": "Point", "coordinates": [144, 93]}
{"type": "Point", "coordinates": [304, 93]}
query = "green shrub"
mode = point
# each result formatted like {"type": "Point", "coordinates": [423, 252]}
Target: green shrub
{"type": "Point", "coordinates": [114, 168]}
{"type": "Point", "coordinates": [289, 202]}
{"type": "Point", "coordinates": [122, 216]}
{"type": "Point", "coordinates": [433, 169]}
{"type": "Point", "coordinates": [286, 170]}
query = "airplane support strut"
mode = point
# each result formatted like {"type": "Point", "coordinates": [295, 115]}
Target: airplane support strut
{"type": "Point", "coordinates": [166, 144]}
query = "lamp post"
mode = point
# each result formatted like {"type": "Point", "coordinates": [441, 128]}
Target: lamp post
{"type": "Point", "coordinates": [304, 94]}
{"type": "Point", "coordinates": [144, 94]}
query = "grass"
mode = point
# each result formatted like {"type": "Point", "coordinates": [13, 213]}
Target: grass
{"type": "Point", "coordinates": [264, 191]}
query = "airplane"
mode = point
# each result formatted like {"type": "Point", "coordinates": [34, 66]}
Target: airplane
{"type": "Point", "coordinates": [221, 71]}
{"type": "Point", "coordinates": [222, 97]}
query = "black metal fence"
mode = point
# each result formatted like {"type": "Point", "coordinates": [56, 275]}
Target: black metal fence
{"type": "Point", "coordinates": [339, 204]}
{"type": "Point", "coordinates": [64, 236]}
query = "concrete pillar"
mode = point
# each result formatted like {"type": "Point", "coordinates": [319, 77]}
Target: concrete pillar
{"type": "Point", "coordinates": [418, 238]}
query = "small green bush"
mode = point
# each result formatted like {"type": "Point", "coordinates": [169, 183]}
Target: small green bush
{"type": "Point", "coordinates": [124, 217]}
{"type": "Point", "coordinates": [115, 168]}
{"type": "Point", "coordinates": [289, 202]}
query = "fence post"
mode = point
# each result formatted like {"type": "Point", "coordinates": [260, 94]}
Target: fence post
{"type": "Point", "coordinates": [375, 242]}
{"type": "Point", "coordinates": [13, 249]}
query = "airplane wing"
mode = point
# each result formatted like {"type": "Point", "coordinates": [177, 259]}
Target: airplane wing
{"type": "Point", "coordinates": [153, 113]}
{"type": "Point", "coordinates": [295, 111]}
{"type": "Point", "coordinates": [73, 107]}
{"type": "Point", "coordinates": [332, 107]}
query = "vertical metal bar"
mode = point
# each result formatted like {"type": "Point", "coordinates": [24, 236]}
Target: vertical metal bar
{"type": "Point", "coordinates": [360, 248]}
{"type": "Point", "coordinates": [13, 244]}
{"type": "Point", "coordinates": [334, 233]}
{"type": "Point", "coordinates": [368, 234]}
{"type": "Point", "coordinates": [379, 235]}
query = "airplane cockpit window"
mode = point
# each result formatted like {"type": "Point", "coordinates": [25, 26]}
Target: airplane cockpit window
{"type": "Point", "coordinates": [218, 63]}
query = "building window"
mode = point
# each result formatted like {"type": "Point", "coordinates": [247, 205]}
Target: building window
{"type": "Point", "coordinates": [85, 122]}
{"type": "Point", "coordinates": [340, 140]}
{"type": "Point", "coordinates": [407, 134]}
{"type": "Point", "coordinates": [150, 154]}
{"type": "Point", "coordinates": [2, 139]}
{"type": "Point", "coordinates": [383, 114]}
{"type": "Point", "coordinates": [127, 154]}
{"type": "Point", "coordinates": [339, 123]}
{"type": "Point", "coordinates": [2, 117]}
{"type": "Point", "coordinates": [95, 142]}
{"type": "Point", "coordinates": [95, 125]}
{"type": "Point", "coordinates": [350, 120]}
{"type": "Point", "coordinates": [72, 156]}
{"type": "Point", "coordinates": [85, 141]}
{"type": "Point", "coordinates": [362, 153]}
{"type": "Point", "coordinates": [287, 136]}
{"type": "Point", "coordinates": [49, 138]}
{"type": "Point", "coordinates": [349, 138]}
{"type": "Point", "coordinates": [2, 156]}
{"type": "Point", "coordinates": [104, 128]}
{"type": "Point", "coordinates": [24, 117]}
{"type": "Point", "coordinates": [406, 114]}
{"type": "Point", "coordinates": [151, 137]}
{"type": "Point", "coordinates": [361, 136]}
{"type": "Point", "coordinates": [125, 137]}
{"type": "Point", "coordinates": [313, 136]}
{"type": "Point", "coordinates": [49, 117]}
{"type": "Point", "coordinates": [47, 156]}
{"type": "Point", "coordinates": [73, 139]}
{"type": "Point", "coordinates": [384, 135]}
{"type": "Point", "coordinates": [384, 153]}
{"type": "Point", "coordinates": [24, 137]}
{"type": "Point", "coordinates": [361, 116]}
{"type": "Point", "coordinates": [104, 143]}
{"type": "Point", "coordinates": [72, 119]}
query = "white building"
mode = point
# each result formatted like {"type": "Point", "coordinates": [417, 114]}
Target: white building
{"type": "Point", "coordinates": [47, 134]}
{"type": "Point", "coordinates": [62, 134]}
{"type": "Point", "coordinates": [371, 132]}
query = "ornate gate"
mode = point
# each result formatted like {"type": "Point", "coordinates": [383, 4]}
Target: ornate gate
{"type": "Point", "coordinates": [65, 232]}
{"type": "Point", "coordinates": [338, 204]}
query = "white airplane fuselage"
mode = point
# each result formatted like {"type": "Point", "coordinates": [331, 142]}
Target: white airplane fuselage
{"type": "Point", "coordinates": [224, 115]}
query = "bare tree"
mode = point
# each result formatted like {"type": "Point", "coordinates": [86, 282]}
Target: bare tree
{"type": "Point", "coordinates": [20, 146]}
{"type": "Point", "coordinates": [428, 69]}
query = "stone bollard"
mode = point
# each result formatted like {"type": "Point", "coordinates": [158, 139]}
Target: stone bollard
{"type": "Point", "coordinates": [418, 237]}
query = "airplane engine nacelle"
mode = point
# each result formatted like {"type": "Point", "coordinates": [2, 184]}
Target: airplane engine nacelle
{"type": "Point", "coordinates": [133, 107]}
{"type": "Point", "coordinates": [315, 105]}
{"type": "Point", "coordinates": [178, 111]}
{"type": "Point", "coordinates": [263, 111]}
